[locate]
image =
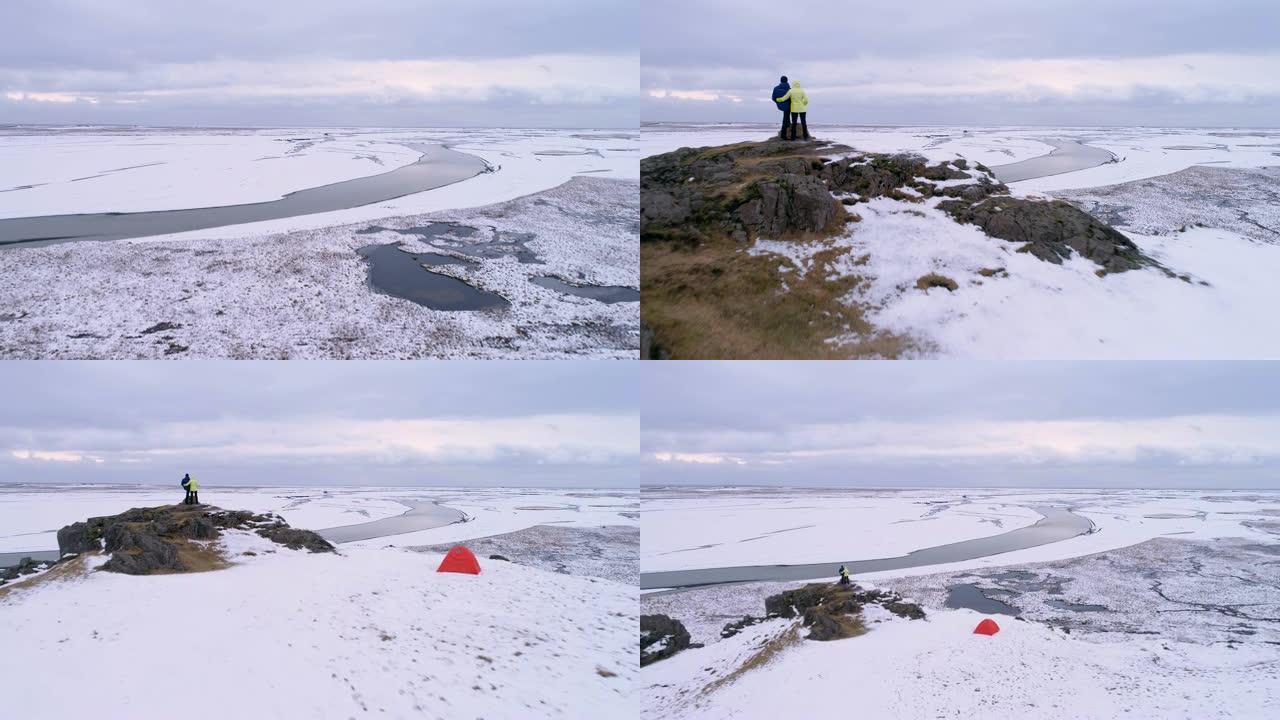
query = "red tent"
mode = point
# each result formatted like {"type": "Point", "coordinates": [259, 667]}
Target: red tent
{"type": "Point", "coordinates": [986, 627]}
{"type": "Point", "coordinates": [460, 560]}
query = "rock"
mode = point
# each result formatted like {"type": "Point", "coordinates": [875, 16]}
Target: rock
{"type": "Point", "coordinates": [738, 191]}
{"type": "Point", "coordinates": [79, 537]}
{"type": "Point", "coordinates": [733, 628]}
{"type": "Point", "coordinates": [776, 190]}
{"type": "Point", "coordinates": [824, 626]}
{"type": "Point", "coordinates": [500, 557]}
{"type": "Point", "coordinates": [296, 539]}
{"type": "Point", "coordinates": [25, 566]}
{"type": "Point", "coordinates": [789, 603]}
{"type": "Point", "coordinates": [136, 551]}
{"type": "Point", "coordinates": [901, 608]}
{"type": "Point", "coordinates": [1052, 231]}
{"type": "Point", "coordinates": [142, 541]}
{"type": "Point", "coordinates": [789, 204]}
{"type": "Point", "coordinates": [660, 638]}
{"type": "Point", "coordinates": [832, 611]}
{"type": "Point", "coordinates": [161, 327]}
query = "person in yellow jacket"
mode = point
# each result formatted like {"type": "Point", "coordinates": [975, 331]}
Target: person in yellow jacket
{"type": "Point", "coordinates": [799, 108]}
{"type": "Point", "coordinates": [192, 487]}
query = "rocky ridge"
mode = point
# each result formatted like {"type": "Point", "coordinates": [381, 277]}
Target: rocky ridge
{"type": "Point", "coordinates": [780, 190]}
{"type": "Point", "coordinates": [175, 538]}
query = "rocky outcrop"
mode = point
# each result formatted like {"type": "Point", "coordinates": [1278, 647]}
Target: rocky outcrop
{"type": "Point", "coordinates": [830, 611]}
{"type": "Point", "coordinates": [1052, 230]}
{"type": "Point", "coordinates": [739, 191]}
{"type": "Point", "coordinates": [170, 538]}
{"type": "Point", "coordinates": [25, 566]}
{"type": "Point", "coordinates": [780, 189]}
{"type": "Point", "coordinates": [661, 637]}
{"type": "Point", "coordinates": [709, 291]}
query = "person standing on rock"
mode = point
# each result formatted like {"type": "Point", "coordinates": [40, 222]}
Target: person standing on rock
{"type": "Point", "coordinates": [192, 487]}
{"type": "Point", "coordinates": [782, 89]}
{"type": "Point", "coordinates": [799, 108]}
{"type": "Point", "coordinates": [844, 575]}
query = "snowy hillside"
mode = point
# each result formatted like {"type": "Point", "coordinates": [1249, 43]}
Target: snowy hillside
{"type": "Point", "coordinates": [913, 280]}
{"type": "Point", "coordinates": [286, 634]}
{"type": "Point", "coordinates": [937, 668]}
{"type": "Point", "coordinates": [1165, 610]}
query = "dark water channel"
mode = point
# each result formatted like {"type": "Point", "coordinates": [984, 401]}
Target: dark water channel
{"type": "Point", "coordinates": [395, 272]}
{"type": "Point", "coordinates": [602, 293]}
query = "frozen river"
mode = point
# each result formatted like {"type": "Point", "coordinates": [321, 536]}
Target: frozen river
{"type": "Point", "coordinates": [1067, 156]}
{"type": "Point", "coordinates": [1055, 525]}
{"type": "Point", "coordinates": [438, 166]}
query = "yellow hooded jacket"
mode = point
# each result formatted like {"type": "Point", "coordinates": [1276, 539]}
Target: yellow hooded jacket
{"type": "Point", "coordinates": [799, 100]}
{"type": "Point", "coordinates": [193, 485]}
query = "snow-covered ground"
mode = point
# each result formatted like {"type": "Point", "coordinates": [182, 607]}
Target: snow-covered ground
{"type": "Point", "coordinates": [368, 632]}
{"type": "Point", "coordinates": [937, 668]}
{"type": "Point", "coordinates": [31, 515]}
{"type": "Point", "coordinates": [306, 294]}
{"type": "Point", "coordinates": [47, 171]}
{"type": "Point", "coordinates": [1169, 610]}
{"type": "Point", "coordinates": [53, 171]}
{"type": "Point", "coordinates": [295, 287]}
{"type": "Point", "coordinates": [1142, 152]}
{"type": "Point", "coordinates": [762, 528]}
{"type": "Point", "coordinates": [866, 524]}
{"type": "Point", "coordinates": [1210, 216]}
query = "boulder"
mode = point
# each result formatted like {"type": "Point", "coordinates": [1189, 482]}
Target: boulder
{"type": "Point", "coordinates": [1052, 230]}
{"type": "Point", "coordinates": [660, 638]}
{"type": "Point", "coordinates": [786, 205]}
{"type": "Point", "coordinates": [25, 566]}
{"type": "Point", "coordinates": [733, 628]}
{"type": "Point", "coordinates": [79, 537]}
{"type": "Point", "coordinates": [296, 539]}
{"type": "Point", "coordinates": [136, 550]}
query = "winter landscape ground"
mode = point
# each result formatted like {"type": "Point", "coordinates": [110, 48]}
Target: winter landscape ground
{"type": "Point", "coordinates": [905, 278]}
{"type": "Point", "coordinates": [1168, 606]}
{"type": "Point", "coordinates": [504, 254]}
{"type": "Point", "coordinates": [371, 630]}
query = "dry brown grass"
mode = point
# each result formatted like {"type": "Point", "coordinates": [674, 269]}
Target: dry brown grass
{"type": "Point", "coordinates": [74, 568]}
{"type": "Point", "coordinates": [850, 626]}
{"type": "Point", "coordinates": [763, 656]}
{"type": "Point", "coordinates": [201, 558]}
{"type": "Point", "coordinates": [933, 280]}
{"type": "Point", "coordinates": [715, 301]}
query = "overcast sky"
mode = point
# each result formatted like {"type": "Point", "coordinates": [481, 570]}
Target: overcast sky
{"type": "Point", "coordinates": [961, 424]}
{"type": "Point", "coordinates": [466, 423]}
{"type": "Point", "coordinates": [994, 62]}
{"type": "Point", "coordinates": [550, 63]}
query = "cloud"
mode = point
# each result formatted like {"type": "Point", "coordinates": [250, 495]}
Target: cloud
{"type": "Point", "coordinates": [463, 423]}
{"type": "Point", "coordinates": [958, 423]}
{"type": "Point", "coordinates": [567, 63]}
{"type": "Point", "coordinates": [999, 62]}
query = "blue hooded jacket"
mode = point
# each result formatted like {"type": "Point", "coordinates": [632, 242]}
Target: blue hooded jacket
{"type": "Point", "coordinates": [778, 92]}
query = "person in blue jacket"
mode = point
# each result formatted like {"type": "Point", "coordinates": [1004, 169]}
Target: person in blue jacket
{"type": "Point", "coordinates": [785, 106]}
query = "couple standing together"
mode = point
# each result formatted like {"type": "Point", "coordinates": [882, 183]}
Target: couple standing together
{"type": "Point", "coordinates": [794, 104]}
